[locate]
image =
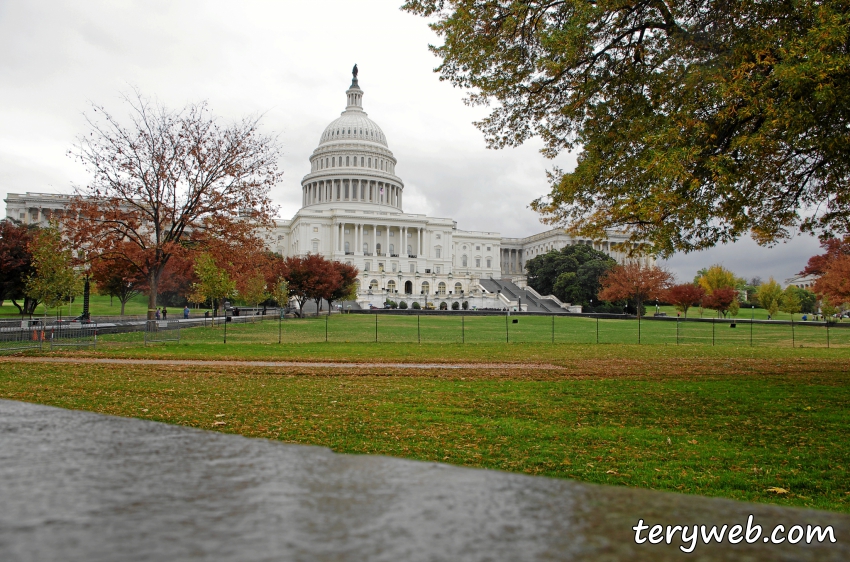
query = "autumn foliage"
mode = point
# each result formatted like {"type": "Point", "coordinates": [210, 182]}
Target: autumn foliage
{"type": "Point", "coordinates": [833, 269]}
{"type": "Point", "coordinates": [684, 296]}
{"type": "Point", "coordinates": [634, 281]}
{"type": "Point", "coordinates": [170, 184]}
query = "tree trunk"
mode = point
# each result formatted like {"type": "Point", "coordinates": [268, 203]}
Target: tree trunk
{"type": "Point", "coordinates": [152, 282]}
{"type": "Point", "coordinates": [123, 302]}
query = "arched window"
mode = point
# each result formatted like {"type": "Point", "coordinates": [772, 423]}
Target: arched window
{"type": "Point", "coordinates": [373, 284]}
{"type": "Point", "coordinates": [409, 250]}
{"type": "Point", "coordinates": [378, 248]}
{"type": "Point", "coordinates": [437, 252]}
{"type": "Point", "coordinates": [361, 161]}
{"type": "Point", "coordinates": [347, 249]}
{"type": "Point", "coordinates": [365, 247]}
{"type": "Point", "coordinates": [489, 263]}
{"type": "Point", "coordinates": [370, 162]}
{"type": "Point", "coordinates": [333, 162]}
{"type": "Point", "coordinates": [346, 161]}
{"type": "Point", "coordinates": [441, 289]}
{"type": "Point", "coordinates": [425, 287]}
{"type": "Point", "coordinates": [391, 286]}
{"type": "Point", "coordinates": [392, 248]}
{"type": "Point", "coordinates": [463, 261]}
{"type": "Point", "coordinates": [458, 288]}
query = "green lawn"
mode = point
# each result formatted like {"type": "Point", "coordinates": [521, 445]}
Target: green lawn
{"type": "Point", "coordinates": [380, 328]}
{"type": "Point", "coordinates": [98, 306]}
{"type": "Point", "coordinates": [732, 427]}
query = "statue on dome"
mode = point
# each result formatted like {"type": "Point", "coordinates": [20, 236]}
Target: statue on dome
{"type": "Point", "coordinates": [354, 71]}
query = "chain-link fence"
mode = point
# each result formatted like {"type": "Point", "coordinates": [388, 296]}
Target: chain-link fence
{"type": "Point", "coordinates": [45, 334]}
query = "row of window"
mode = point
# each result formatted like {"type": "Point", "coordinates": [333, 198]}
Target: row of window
{"type": "Point", "coordinates": [365, 162]}
{"type": "Point", "coordinates": [407, 287]}
{"type": "Point", "coordinates": [336, 133]}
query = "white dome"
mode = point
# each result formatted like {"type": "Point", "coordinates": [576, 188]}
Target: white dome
{"type": "Point", "coordinates": [353, 125]}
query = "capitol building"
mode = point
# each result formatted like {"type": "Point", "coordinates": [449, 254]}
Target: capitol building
{"type": "Point", "coordinates": [352, 211]}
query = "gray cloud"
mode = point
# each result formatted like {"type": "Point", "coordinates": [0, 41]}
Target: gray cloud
{"type": "Point", "coordinates": [290, 62]}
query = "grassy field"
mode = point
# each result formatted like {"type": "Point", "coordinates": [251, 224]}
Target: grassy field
{"type": "Point", "coordinates": [544, 330]}
{"type": "Point", "coordinates": [743, 313]}
{"type": "Point", "coordinates": [731, 425]}
{"type": "Point", "coordinates": [98, 306]}
{"type": "Point", "coordinates": [727, 420]}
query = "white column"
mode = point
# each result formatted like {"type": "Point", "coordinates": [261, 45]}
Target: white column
{"type": "Point", "coordinates": [374, 239]}
{"type": "Point", "coordinates": [403, 252]}
{"type": "Point", "coordinates": [334, 234]}
{"type": "Point", "coordinates": [359, 249]}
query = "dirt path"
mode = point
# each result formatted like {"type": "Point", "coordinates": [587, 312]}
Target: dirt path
{"type": "Point", "coordinates": [282, 364]}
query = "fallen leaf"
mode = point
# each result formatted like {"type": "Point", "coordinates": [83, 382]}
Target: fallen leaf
{"type": "Point", "coordinates": [220, 415]}
{"type": "Point", "coordinates": [220, 423]}
{"type": "Point", "coordinates": [776, 490]}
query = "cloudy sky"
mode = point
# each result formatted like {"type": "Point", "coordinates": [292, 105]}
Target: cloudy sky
{"type": "Point", "coordinates": [289, 61]}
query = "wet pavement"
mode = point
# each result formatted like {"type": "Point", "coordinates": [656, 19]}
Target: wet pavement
{"type": "Point", "coordinates": [83, 486]}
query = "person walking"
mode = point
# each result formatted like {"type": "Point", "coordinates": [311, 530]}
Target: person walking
{"type": "Point", "coordinates": [164, 313]}
{"type": "Point", "coordinates": [157, 315]}
{"type": "Point", "coordinates": [186, 312]}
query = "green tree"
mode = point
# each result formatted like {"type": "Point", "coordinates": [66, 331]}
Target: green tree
{"type": "Point", "coordinates": [214, 283]}
{"type": "Point", "coordinates": [716, 277]}
{"type": "Point", "coordinates": [53, 279]}
{"type": "Point", "coordinates": [253, 290]}
{"type": "Point", "coordinates": [280, 292]}
{"type": "Point", "coordinates": [770, 294]}
{"type": "Point", "coordinates": [572, 274]}
{"type": "Point", "coordinates": [697, 121]}
{"type": "Point", "coordinates": [808, 299]}
{"type": "Point", "coordinates": [789, 302]}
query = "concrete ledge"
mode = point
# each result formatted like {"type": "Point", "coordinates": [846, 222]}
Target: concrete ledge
{"type": "Point", "coordinates": [83, 486]}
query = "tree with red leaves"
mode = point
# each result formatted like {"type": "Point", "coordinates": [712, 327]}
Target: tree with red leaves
{"type": "Point", "coordinates": [636, 282]}
{"type": "Point", "coordinates": [309, 277]}
{"type": "Point", "coordinates": [117, 278]}
{"type": "Point", "coordinates": [833, 270]}
{"type": "Point", "coordinates": [168, 183]}
{"type": "Point", "coordinates": [684, 296]}
{"type": "Point", "coordinates": [16, 263]}
{"type": "Point", "coordinates": [721, 300]}
{"type": "Point", "coordinates": [346, 283]}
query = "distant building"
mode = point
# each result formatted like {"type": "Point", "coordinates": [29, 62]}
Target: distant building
{"type": "Point", "coordinates": [802, 281]}
{"type": "Point", "coordinates": [352, 212]}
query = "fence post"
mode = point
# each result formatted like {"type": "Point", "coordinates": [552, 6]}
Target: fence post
{"type": "Point", "coordinates": [462, 329]}
{"type": "Point", "coordinates": [827, 334]}
{"type": "Point", "coordinates": [597, 329]}
{"type": "Point", "coordinates": [638, 326]}
{"type": "Point", "coordinates": [677, 330]}
{"type": "Point", "coordinates": [507, 333]}
{"type": "Point", "coordinates": [793, 343]}
{"type": "Point", "coordinates": [326, 325]}
{"type": "Point", "coordinates": [553, 328]}
{"type": "Point", "coordinates": [376, 327]}
{"type": "Point", "coordinates": [751, 332]}
{"type": "Point", "coordinates": [712, 331]}
{"type": "Point", "coordinates": [418, 331]}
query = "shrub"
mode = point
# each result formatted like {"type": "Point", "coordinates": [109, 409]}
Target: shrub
{"type": "Point", "coordinates": [465, 305]}
{"type": "Point", "coordinates": [455, 305]}
{"type": "Point", "coordinates": [402, 305]}
{"type": "Point", "coordinates": [416, 306]}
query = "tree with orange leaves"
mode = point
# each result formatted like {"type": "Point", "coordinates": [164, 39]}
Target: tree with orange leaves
{"type": "Point", "coordinates": [634, 281]}
{"type": "Point", "coordinates": [169, 183]}
{"type": "Point", "coordinates": [833, 269]}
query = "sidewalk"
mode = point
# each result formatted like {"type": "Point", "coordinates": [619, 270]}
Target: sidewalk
{"type": "Point", "coordinates": [83, 486]}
